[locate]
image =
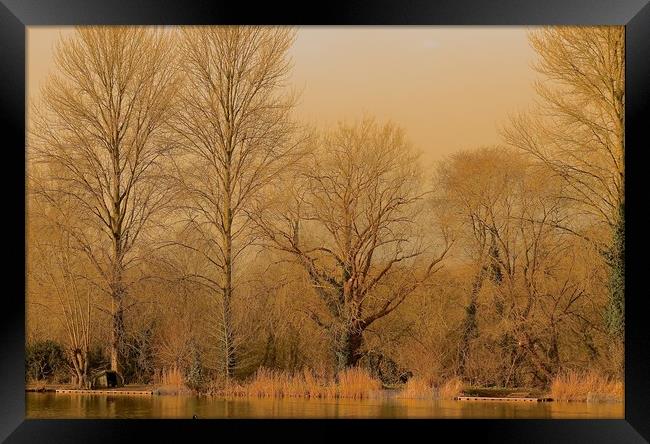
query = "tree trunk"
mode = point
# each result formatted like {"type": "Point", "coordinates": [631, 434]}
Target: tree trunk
{"type": "Point", "coordinates": [510, 372]}
{"type": "Point", "coordinates": [80, 364]}
{"type": "Point", "coordinates": [470, 326]}
{"type": "Point", "coordinates": [117, 284]}
{"type": "Point", "coordinates": [86, 376]}
{"type": "Point", "coordinates": [117, 319]}
{"type": "Point", "coordinates": [541, 368]}
{"type": "Point", "coordinates": [348, 348]}
{"type": "Point", "coordinates": [230, 359]}
{"type": "Point", "coordinates": [554, 354]}
{"type": "Point", "coordinates": [491, 270]}
{"type": "Point", "coordinates": [117, 332]}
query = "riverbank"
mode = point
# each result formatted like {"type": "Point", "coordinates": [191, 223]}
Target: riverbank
{"type": "Point", "coordinates": [54, 388]}
{"type": "Point", "coordinates": [586, 387]}
{"type": "Point", "coordinates": [357, 384]}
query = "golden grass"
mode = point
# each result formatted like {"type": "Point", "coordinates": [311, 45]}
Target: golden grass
{"type": "Point", "coordinates": [171, 377]}
{"type": "Point", "coordinates": [353, 383]}
{"type": "Point", "coordinates": [357, 383]}
{"type": "Point", "coordinates": [422, 388]}
{"type": "Point", "coordinates": [272, 384]}
{"type": "Point", "coordinates": [416, 388]}
{"type": "Point", "coordinates": [318, 386]}
{"type": "Point", "coordinates": [450, 389]}
{"type": "Point", "coordinates": [170, 381]}
{"type": "Point", "coordinates": [586, 387]}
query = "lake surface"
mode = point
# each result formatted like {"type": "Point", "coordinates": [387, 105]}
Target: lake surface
{"type": "Point", "coordinates": [51, 405]}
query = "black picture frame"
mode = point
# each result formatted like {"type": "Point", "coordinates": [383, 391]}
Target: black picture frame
{"type": "Point", "coordinates": [16, 15]}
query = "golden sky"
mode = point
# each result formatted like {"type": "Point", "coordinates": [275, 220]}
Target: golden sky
{"type": "Point", "coordinates": [449, 87]}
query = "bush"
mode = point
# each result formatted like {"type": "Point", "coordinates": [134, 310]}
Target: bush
{"type": "Point", "coordinates": [385, 369]}
{"type": "Point", "coordinates": [97, 359]}
{"type": "Point", "coordinates": [138, 358]}
{"type": "Point", "coordinates": [45, 360]}
{"type": "Point", "coordinates": [195, 378]}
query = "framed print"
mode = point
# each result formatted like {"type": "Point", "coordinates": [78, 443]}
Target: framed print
{"type": "Point", "coordinates": [364, 219]}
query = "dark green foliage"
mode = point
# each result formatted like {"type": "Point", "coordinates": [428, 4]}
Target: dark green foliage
{"type": "Point", "coordinates": [45, 360]}
{"type": "Point", "coordinates": [195, 376]}
{"type": "Point", "coordinates": [385, 369]}
{"type": "Point", "coordinates": [97, 359]}
{"type": "Point", "coordinates": [469, 328]}
{"type": "Point", "coordinates": [502, 392]}
{"type": "Point", "coordinates": [495, 273]}
{"type": "Point", "coordinates": [615, 313]}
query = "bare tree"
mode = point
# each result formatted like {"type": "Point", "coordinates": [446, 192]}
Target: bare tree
{"type": "Point", "coordinates": [351, 226]}
{"type": "Point", "coordinates": [56, 268]}
{"type": "Point", "coordinates": [578, 132]}
{"type": "Point", "coordinates": [98, 130]}
{"type": "Point", "coordinates": [236, 135]}
{"type": "Point", "coordinates": [527, 291]}
{"type": "Point", "coordinates": [474, 187]}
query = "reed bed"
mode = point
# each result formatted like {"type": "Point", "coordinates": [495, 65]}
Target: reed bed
{"type": "Point", "coordinates": [450, 389]}
{"type": "Point", "coordinates": [586, 387]}
{"type": "Point", "coordinates": [416, 388]}
{"type": "Point", "coordinates": [169, 377]}
{"type": "Point", "coordinates": [170, 381]}
{"type": "Point", "coordinates": [354, 383]}
{"type": "Point", "coordinates": [421, 388]}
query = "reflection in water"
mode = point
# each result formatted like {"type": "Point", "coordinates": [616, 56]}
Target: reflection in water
{"type": "Point", "coordinates": [50, 405]}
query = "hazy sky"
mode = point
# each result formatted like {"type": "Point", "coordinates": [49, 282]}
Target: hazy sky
{"type": "Point", "coordinates": [449, 87]}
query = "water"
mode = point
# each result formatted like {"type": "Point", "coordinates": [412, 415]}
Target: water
{"type": "Point", "coordinates": [51, 405]}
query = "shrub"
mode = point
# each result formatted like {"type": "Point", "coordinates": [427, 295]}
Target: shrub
{"type": "Point", "coordinates": [194, 378]}
{"type": "Point", "coordinates": [385, 369]}
{"type": "Point", "coordinates": [45, 360]}
{"type": "Point", "coordinates": [138, 358]}
{"type": "Point", "coordinates": [97, 359]}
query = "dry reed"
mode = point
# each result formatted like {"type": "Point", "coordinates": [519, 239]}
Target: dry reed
{"type": "Point", "coordinates": [586, 387]}
{"type": "Point", "coordinates": [357, 383]}
{"type": "Point", "coordinates": [416, 388]}
{"type": "Point", "coordinates": [450, 389]}
{"type": "Point", "coordinates": [422, 388]}
{"type": "Point", "coordinates": [353, 383]}
{"type": "Point", "coordinates": [170, 381]}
